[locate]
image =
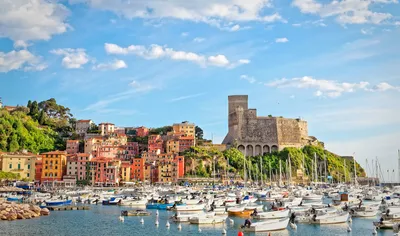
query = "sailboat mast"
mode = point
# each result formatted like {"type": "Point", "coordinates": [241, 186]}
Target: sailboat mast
{"type": "Point", "coordinates": [326, 177]}
{"type": "Point", "coordinates": [398, 166]}
{"type": "Point", "coordinates": [315, 166]}
{"type": "Point", "coordinates": [280, 172]}
{"type": "Point", "coordinates": [270, 176]}
{"type": "Point", "coordinates": [261, 173]}
{"type": "Point", "coordinates": [344, 170]}
{"type": "Point", "coordinates": [290, 171]}
{"type": "Point", "coordinates": [355, 170]}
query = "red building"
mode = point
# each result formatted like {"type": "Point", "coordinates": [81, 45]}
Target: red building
{"type": "Point", "coordinates": [132, 150]}
{"type": "Point", "coordinates": [142, 131]}
{"type": "Point", "coordinates": [105, 171]}
{"type": "Point", "coordinates": [38, 170]}
{"type": "Point", "coordinates": [156, 144]}
{"type": "Point", "coordinates": [72, 146]}
{"type": "Point", "coordinates": [137, 169]}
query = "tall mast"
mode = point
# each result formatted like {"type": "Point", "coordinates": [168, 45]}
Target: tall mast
{"type": "Point", "coordinates": [355, 170]}
{"type": "Point", "coordinates": [344, 170]}
{"type": "Point", "coordinates": [270, 176]}
{"type": "Point", "coordinates": [280, 172]}
{"type": "Point", "coordinates": [244, 171]}
{"type": "Point", "coordinates": [315, 166]}
{"type": "Point", "coordinates": [290, 171]}
{"type": "Point", "coordinates": [326, 177]}
{"type": "Point", "coordinates": [304, 172]}
{"type": "Point", "coordinates": [261, 173]}
{"type": "Point", "coordinates": [398, 167]}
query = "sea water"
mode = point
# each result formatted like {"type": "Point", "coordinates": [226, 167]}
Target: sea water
{"type": "Point", "coordinates": [103, 220]}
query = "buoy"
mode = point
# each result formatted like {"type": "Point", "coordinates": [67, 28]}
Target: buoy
{"type": "Point", "coordinates": [167, 224]}
{"type": "Point", "coordinates": [350, 220]}
{"type": "Point", "coordinates": [348, 229]}
{"type": "Point", "coordinates": [157, 222]}
{"type": "Point", "coordinates": [240, 233]}
{"type": "Point", "coordinates": [223, 232]}
{"type": "Point", "coordinates": [231, 221]}
{"type": "Point", "coordinates": [293, 226]}
{"type": "Point", "coordinates": [374, 231]}
{"type": "Point", "coordinates": [199, 230]}
{"type": "Point", "coordinates": [157, 213]}
{"type": "Point", "coordinates": [121, 218]}
{"type": "Point", "coordinates": [179, 226]}
{"type": "Point", "coordinates": [142, 221]}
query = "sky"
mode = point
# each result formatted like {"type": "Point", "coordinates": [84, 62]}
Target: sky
{"type": "Point", "coordinates": [154, 63]}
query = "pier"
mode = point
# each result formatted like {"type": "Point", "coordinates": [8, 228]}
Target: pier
{"type": "Point", "coordinates": [68, 208]}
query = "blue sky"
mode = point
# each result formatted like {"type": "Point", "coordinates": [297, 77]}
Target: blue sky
{"type": "Point", "coordinates": [153, 63]}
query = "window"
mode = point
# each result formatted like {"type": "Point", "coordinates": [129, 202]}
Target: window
{"type": "Point", "coordinates": [29, 167]}
{"type": "Point", "coordinates": [19, 166]}
{"type": "Point", "coordinates": [27, 175]}
{"type": "Point", "coordinates": [55, 174]}
{"type": "Point", "coordinates": [10, 166]}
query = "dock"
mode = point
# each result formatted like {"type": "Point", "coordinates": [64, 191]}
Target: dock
{"type": "Point", "coordinates": [68, 208]}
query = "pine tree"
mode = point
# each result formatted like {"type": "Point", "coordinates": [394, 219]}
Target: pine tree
{"type": "Point", "coordinates": [42, 118]}
{"type": "Point", "coordinates": [34, 112]}
{"type": "Point", "coordinates": [29, 105]}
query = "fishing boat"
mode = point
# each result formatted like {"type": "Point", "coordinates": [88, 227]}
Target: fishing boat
{"type": "Point", "coordinates": [312, 197]}
{"type": "Point", "coordinates": [112, 201]}
{"type": "Point", "coordinates": [135, 213]}
{"type": "Point", "coordinates": [207, 220]}
{"type": "Point", "coordinates": [272, 215]}
{"type": "Point", "coordinates": [159, 206]}
{"type": "Point", "coordinates": [364, 211]}
{"type": "Point", "coordinates": [132, 202]}
{"type": "Point", "coordinates": [15, 199]}
{"type": "Point", "coordinates": [239, 212]}
{"type": "Point", "coordinates": [269, 225]}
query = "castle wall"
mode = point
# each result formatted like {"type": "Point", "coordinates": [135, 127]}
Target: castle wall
{"type": "Point", "coordinates": [290, 132]}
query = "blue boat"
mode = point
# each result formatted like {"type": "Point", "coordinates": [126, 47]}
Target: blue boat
{"type": "Point", "coordinates": [58, 203]}
{"type": "Point", "coordinates": [159, 206]}
{"type": "Point", "coordinates": [14, 199]}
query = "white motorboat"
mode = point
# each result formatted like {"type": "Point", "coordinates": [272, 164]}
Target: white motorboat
{"type": "Point", "coordinates": [272, 215]}
{"type": "Point", "coordinates": [312, 197]}
{"type": "Point", "coordinates": [269, 225]}
{"type": "Point", "coordinates": [330, 218]}
{"type": "Point", "coordinates": [186, 217]}
{"type": "Point", "coordinates": [364, 211]}
{"type": "Point", "coordinates": [132, 202]}
{"type": "Point", "coordinates": [198, 207]}
{"type": "Point", "coordinates": [191, 201]}
{"type": "Point", "coordinates": [207, 219]}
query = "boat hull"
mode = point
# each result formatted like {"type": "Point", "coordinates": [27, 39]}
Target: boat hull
{"type": "Point", "coordinates": [273, 225]}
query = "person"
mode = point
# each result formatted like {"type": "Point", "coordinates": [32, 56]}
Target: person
{"type": "Point", "coordinates": [359, 204]}
{"type": "Point", "coordinates": [329, 205]}
{"type": "Point", "coordinates": [381, 220]}
{"type": "Point", "coordinates": [346, 207]}
{"type": "Point", "coordinates": [292, 217]}
{"type": "Point", "coordinates": [387, 212]}
{"type": "Point", "coordinates": [247, 223]}
{"type": "Point", "coordinates": [314, 218]}
{"type": "Point", "coordinates": [301, 203]}
{"type": "Point", "coordinates": [254, 212]}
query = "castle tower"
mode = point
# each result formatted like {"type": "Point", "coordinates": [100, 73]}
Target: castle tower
{"type": "Point", "coordinates": [236, 101]}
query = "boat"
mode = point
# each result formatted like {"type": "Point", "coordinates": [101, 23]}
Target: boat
{"type": "Point", "coordinates": [15, 199]}
{"type": "Point", "coordinates": [112, 201]}
{"type": "Point", "coordinates": [239, 212]}
{"type": "Point", "coordinates": [186, 217]}
{"type": "Point", "coordinates": [135, 213]}
{"type": "Point", "coordinates": [132, 202]}
{"type": "Point", "coordinates": [207, 220]}
{"type": "Point", "coordinates": [269, 225]}
{"type": "Point", "coordinates": [312, 197]}
{"type": "Point", "coordinates": [159, 206]}
{"type": "Point", "coordinates": [386, 224]}
{"type": "Point", "coordinates": [272, 215]}
{"type": "Point", "coordinates": [58, 202]}
{"type": "Point", "coordinates": [330, 218]}
{"type": "Point", "coordinates": [198, 207]}
{"type": "Point", "coordinates": [364, 211]}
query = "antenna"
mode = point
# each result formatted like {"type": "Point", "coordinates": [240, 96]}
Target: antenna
{"type": "Point", "coordinates": [398, 167]}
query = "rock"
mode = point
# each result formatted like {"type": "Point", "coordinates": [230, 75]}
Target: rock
{"type": "Point", "coordinates": [12, 216]}
{"type": "Point", "coordinates": [44, 212]}
{"type": "Point", "coordinates": [20, 216]}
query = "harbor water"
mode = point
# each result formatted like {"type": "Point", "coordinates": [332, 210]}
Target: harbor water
{"type": "Point", "coordinates": [103, 220]}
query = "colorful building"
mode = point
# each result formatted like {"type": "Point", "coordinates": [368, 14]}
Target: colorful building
{"type": "Point", "coordinates": [72, 146]}
{"type": "Point", "coordinates": [126, 171]}
{"type": "Point", "coordinates": [137, 169]}
{"type": "Point", "coordinates": [106, 128]}
{"type": "Point", "coordinates": [155, 143]}
{"type": "Point", "coordinates": [185, 143]}
{"type": "Point", "coordinates": [38, 170]}
{"type": "Point", "coordinates": [105, 171]}
{"type": "Point", "coordinates": [22, 164]}
{"type": "Point", "coordinates": [82, 126]}
{"type": "Point", "coordinates": [142, 131]}
{"type": "Point", "coordinates": [54, 166]}
{"type": "Point", "coordinates": [189, 129]}
{"type": "Point", "coordinates": [172, 146]}
{"type": "Point", "coordinates": [132, 150]}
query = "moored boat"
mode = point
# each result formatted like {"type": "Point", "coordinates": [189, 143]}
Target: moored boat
{"type": "Point", "coordinates": [269, 225]}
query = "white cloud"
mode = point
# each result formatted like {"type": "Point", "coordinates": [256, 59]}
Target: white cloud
{"type": "Point", "coordinates": [22, 59]}
{"type": "Point", "coordinates": [73, 58]}
{"type": "Point", "coordinates": [184, 34]}
{"type": "Point", "coordinates": [212, 12]}
{"type": "Point", "coordinates": [249, 79]}
{"type": "Point", "coordinates": [281, 40]}
{"type": "Point", "coordinates": [114, 65]}
{"type": "Point", "coordinates": [32, 19]}
{"type": "Point", "coordinates": [186, 97]}
{"type": "Point", "coordinates": [328, 88]}
{"type": "Point", "coordinates": [156, 51]}
{"type": "Point", "coordinates": [198, 40]}
{"type": "Point", "coordinates": [346, 11]}
{"type": "Point", "coordinates": [21, 44]}
{"type": "Point", "coordinates": [235, 28]}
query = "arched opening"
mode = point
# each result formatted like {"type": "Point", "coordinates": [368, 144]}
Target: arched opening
{"type": "Point", "coordinates": [258, 150]}
{"type": "Point", "coordinates": [242, 149]}
{"type": "Point", "coordinates": [274, 148]}
{"type": "Point", "coordinates": [266, 149]}
{"type": "Point", "coordinates": [249, 151]}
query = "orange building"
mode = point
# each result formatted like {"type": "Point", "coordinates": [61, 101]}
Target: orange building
{"type": "Point", "coordinates": [142, 131]}
{"type": "Point", "coordinates": [38, 170]}
{"type": "Point", "coordinates": [72, 146]}
{"type": "Point", "coordinates": [185, 143]}
{"type": "Point", "coordinates": [137, 169]}
{"type": "Point", "coordinates": [54, 165]}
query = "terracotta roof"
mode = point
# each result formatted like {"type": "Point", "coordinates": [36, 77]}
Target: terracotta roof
{"type": "Point", "coordinates": [106, 124]}
{"type": "Point", "coordinates": [55, 153]}
{"type": "Point", "coordinates": [72, 141]}
{"type": "Point", "coordinates": [72, 158]}
{"type": "Point", "coordinates": [187, 137]}
{"type": "Point", "coordinates": [83, 154]}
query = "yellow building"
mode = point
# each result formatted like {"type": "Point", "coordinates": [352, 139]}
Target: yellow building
{"type": "Point", "coordinates": [19, 163]}
{"type": "Point", "coordinates": [172, 146]}
{"type": "Point", "coordinates": [126, 171]}
{"type": "Point", "coordinates": [185, 127]}
{"type": "Point", "coordinates": [167, 172]}
{"type": "Point", "coordinates": [54, 165]}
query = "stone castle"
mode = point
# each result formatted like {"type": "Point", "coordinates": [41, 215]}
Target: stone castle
{"type": "Point", "coordinates": [255, 135]}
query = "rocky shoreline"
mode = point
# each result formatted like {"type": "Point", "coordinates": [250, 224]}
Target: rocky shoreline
{"type": "Point", "coordinates": [13, 211]}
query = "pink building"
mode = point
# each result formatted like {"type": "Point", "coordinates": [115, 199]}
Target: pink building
{"type": "Point", "coordinates": [72, 146]}
{"type": "Point", "coordinates": [106, 128]}
{"type": "Point", "coordinates": [104, 171]}
{"type": "Point", "coordinates": [156, 144]}
{"type": "Point", "coordinates": [110, 151]}
{"type": "Point", "coordinates": [185, 142]}
{"type": "Point", "coordinates": [119, 130]}
{"type": "Point", "coordinates": [132, 150]}
{"type": "Point", "coordinates": [83, 160]}
{"type": "Point", "coordinates": [142, 131]}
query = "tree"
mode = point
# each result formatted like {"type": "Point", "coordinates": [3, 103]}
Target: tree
{"type": "Point", "coordinates": [198, 132]}
{"type": "Point", "coordinates": [42, 118]}
{"type": "Point", "coordinates": [13, 145]}
{"type": "Point", "coordinates": [34, 111]}
{"type": "Point", "coordinates": [29, 105]}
